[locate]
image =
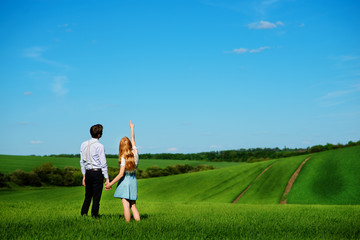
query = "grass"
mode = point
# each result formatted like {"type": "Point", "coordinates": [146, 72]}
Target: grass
{"type": "Point", "coordinates": [330, 177]}
{"type": "Point", "coordinates": [220, 185]}
{"type": "Point", "coordinates": [197, 205]}
{"type": "Point", "coordinates": [269, 187]}
{"type": "Point", "coordinates": [55, 214]}
{"type": "Point", "coordinates": [9, 163]}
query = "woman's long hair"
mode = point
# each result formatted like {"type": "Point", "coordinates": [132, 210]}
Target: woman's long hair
{"type": "Point", "coordinates": [125, 151]}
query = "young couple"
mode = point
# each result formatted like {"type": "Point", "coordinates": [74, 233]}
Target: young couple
{"type": "Point", "coordinates": [94, 169]}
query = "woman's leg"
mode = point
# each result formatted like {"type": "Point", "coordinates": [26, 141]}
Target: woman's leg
{"type": "Point", "coordinates": [126, 206]}
{"type": "Point", "coordinates": [134, 210]}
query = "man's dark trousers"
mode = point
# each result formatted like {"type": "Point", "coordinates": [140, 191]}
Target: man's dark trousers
{"type": "Point", "coordinates": [93, 189]}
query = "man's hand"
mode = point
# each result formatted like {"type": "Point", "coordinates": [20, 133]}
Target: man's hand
{"type": "Point", "coordinates": [83, 182]}
{"type": "Point", "coordinates": [107, 187]}
{"type": "Point", "coordinates": [107, 184]}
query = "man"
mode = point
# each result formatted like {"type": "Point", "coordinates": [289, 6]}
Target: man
{"type": "Point", "coordinates": [94, 169]}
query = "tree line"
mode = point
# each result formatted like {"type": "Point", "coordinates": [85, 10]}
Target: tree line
{"type": "Point", "coordinates": [248, 155]}
{"type": "Point", "coordinates": [240, 155]}
{"type": "Point", "coordinates": [48, 175]}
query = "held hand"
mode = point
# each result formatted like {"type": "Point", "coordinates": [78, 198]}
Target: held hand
{"type": "Point", "coordinates": [107, 186]}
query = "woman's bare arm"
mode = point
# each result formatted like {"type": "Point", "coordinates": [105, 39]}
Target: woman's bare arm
{"type": "Point", "coordinates": [117, 178]}
{"type": "Point", "coordinates": [132, 134]}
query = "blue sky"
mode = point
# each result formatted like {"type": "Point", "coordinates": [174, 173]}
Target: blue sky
{"type": "Point", "coordinates": [193, 76]}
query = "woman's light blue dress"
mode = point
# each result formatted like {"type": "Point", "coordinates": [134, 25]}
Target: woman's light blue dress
{"type": "Point", "coordinates": [127, 185]}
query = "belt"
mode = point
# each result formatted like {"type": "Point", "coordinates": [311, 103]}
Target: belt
{"type": "Point", "coordinates": [94, 169]}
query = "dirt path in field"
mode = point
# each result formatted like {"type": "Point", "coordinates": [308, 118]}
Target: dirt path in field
{"type": "Point", "coordinates": [291, 181]}
{"type": "Point", "coordinates": [237, 199]}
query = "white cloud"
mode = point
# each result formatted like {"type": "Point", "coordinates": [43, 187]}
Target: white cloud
{"type": "Point", "coordinates": [338, 97]}
{"type": "Point", "coordinates": [265, 25]}
{"type": "Point", "coordinates": [35, 142]}
{"type": "Point", "coordinates": [258, 49]}
{"type": "Point", "coordinates": [27, 93]}
{"type": "Point", "coordinates": [36, 53]}
{"type": "Point", "coordinates": [262, 25]}
{"type": "Point", "coordinates": [58, 86]}
{"type": "Point", "coordinates": [172, 149]}
{"type": "Point", "coordinates": [245, 50]}
{"type": "Point", "coordinates": [349, 58]}
{"type": "Point", "coordinates": [240, 50]}
{"type": "Point", "coordinates": [335, 94]}
{"type": "Point", "coordinates": [65, 26]}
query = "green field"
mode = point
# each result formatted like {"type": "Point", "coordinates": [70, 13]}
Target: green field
{"type": "Point", "coordinates": [331, 177]}
{"type": "Point", "coordinates": [10, 163]}
{"type": "Point", "coordinates": [55, 214]}
{"type": "Point", "coordinates": [219, 185]}
{"type": "Point", "coordinates": [198, 205]}
{"type": "Point", "coordinates": [268, 189]}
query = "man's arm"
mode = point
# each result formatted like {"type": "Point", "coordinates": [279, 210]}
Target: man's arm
{"type": "Point", "coordinates": [82, 165]}
{"type": "Point", "coordinates": [104, 168]}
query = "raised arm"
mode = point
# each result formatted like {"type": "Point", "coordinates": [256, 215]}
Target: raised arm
{"type": "Point", "coordinates": [132, 134]}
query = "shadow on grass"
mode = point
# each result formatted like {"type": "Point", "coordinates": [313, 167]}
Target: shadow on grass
{"type": "Point", "coordinates": [120, 216]}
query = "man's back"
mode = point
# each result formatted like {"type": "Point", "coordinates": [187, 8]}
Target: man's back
{"type": "Point", "coordinates": [92, 154]}
{"type": "Point", "coordinates": [94, 169]}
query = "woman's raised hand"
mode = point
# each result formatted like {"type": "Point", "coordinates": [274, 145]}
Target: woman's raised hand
{"type": "Point", "coordinates": [132, 133]}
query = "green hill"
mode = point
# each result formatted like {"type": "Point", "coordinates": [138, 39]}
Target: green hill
{"type": "Point", "coordinates": [220, 185]}
{"type": "Point", "coordinates": [198, 205]}
{"type": "Point", "coordinates": [268, 188]}
{"type": "Point", "coordinates": [331, 177]}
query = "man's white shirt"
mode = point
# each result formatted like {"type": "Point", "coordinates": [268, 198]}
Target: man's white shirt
{"type": "Point", "coordinates": [92, 155]}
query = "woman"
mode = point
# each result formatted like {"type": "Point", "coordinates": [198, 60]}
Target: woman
{"type": "Point", "coordinates": [127, 186]}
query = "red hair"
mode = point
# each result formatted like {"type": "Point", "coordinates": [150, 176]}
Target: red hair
{"type": "Point", "coordinates": [125, 151]}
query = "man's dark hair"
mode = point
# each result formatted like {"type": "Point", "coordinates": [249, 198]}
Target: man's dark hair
{"type": "Point", "coordinates": [96, 130]}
